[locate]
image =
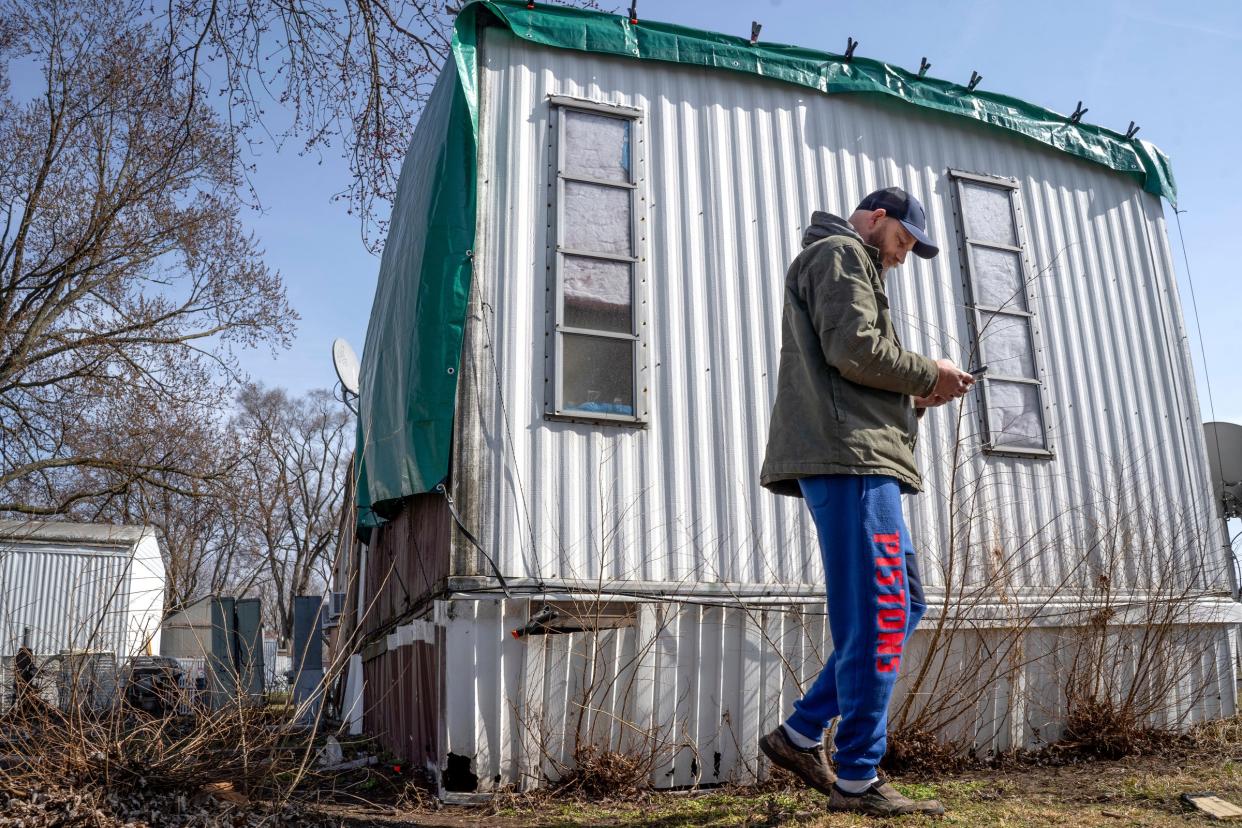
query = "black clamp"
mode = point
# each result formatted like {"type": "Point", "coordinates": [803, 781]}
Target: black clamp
{"type": "Point", "coordinates": [755, 28]}
{"type": "Point", "coordinates": [923, 67]}
{"type": "Point", "coordinates": [975, 77]}
{"type": "Point", "coordinates": [850, 45]}
{"type": "Point", "coordinates": [633, 12]}
{"type": "Point", "coordinates": [1132, 130]}
{"type": "Point", "coordinates": [1079, 111]}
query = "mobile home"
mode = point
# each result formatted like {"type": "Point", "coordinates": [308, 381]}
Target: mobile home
{"type": "Point", "coordinates": [74, 588]}
{"type": "Point", "coordinates": [571, 361]}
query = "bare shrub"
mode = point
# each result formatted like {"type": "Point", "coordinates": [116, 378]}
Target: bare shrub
{"type": "Point", "coordinates": [924, 752]}
{"type": "Point", "coordinates": [605, 773]}
{"type": "Point", "coordinates": [125, 750]}
{"type": "Point", "coordinates": [78, 738]}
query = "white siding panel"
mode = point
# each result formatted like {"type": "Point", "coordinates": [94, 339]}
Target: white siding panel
{"type": "Point", "coordinates": [687, 689]}
{"type": "Point", "coordinates": [80, 597]}
{"type": "Point", "coordinates": [733, 167]}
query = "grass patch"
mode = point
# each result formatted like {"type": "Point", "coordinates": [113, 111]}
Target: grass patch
{"type": "Point", "coordinates": [1023, 792]}
{"type": "Point", "coordinates": [1132, 791]}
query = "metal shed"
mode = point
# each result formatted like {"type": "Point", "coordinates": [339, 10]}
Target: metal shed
{"type": "Point", "coordinates": [80, 587]}
{"type": "Point", "coordinates": [572, 356]}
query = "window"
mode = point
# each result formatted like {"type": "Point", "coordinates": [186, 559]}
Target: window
{"type": "Point", "coordinates": [1000, 302]}
{"type": "Point", "coordinates": [596, 356]}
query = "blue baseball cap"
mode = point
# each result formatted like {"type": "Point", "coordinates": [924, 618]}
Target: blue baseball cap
{"type": "Point", "coordinates": [904, 207]}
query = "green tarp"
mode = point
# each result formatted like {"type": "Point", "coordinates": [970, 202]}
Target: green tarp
{"type": "Point", "coordinates": [413, 347]}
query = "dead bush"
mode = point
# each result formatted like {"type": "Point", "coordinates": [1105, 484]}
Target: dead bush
{"type": "Point", "coordinates": [605, 773]}
{"type": "Point", "coordinates": [1101, 729]}
{"type": "Point", "coordinates": [1215, 737]}
{"type": "Point", "coordinates": [77, 762]}
{"type": "Point", "coordinates": [125, 750]}
{"type": "Point", "coordinates": [920, 752]}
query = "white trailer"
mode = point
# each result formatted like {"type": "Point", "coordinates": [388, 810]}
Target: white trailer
{"type": "Point", "coordinates": [73, 587]}
{"type": "Point", "coordinates": [571, 361]}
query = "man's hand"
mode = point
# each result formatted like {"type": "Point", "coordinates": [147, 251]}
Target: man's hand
{"type": "Point", "coordinates": [951, 383]}
{"type": "Point", "coordinates": [930, 401]}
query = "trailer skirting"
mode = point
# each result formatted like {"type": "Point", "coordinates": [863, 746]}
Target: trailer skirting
{"type": "Point", "coordinates": [688, 687]}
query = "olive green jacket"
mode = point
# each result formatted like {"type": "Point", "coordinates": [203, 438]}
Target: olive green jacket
{"type": "Point", "coordinates": [843, 393]}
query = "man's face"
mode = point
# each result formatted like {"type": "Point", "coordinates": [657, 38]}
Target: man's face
{"type": "Point", "coordinates": [891, 238]}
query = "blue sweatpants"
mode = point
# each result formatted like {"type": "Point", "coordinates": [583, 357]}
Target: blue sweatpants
{"type": "Point", "coordinates": [875, 600]}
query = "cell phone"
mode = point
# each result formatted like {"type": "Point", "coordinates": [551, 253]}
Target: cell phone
{"type": "Point", "coordinates": [978, 371]}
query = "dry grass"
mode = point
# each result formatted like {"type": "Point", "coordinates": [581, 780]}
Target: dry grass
{"type": "Point", "coordinates": [75, 764]}
{"type": "Point", "coordinates": [1074, 793]}
{"type": "Point", "coordinates": [1130, 792]}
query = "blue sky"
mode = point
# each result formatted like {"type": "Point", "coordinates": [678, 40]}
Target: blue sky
{"type": "Point", "coordinates": [1170, 69]}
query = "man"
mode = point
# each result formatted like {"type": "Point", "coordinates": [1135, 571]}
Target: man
{"type": "Point", "coordinates": [842, 436]}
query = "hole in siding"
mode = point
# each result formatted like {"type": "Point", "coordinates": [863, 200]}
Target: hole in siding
{"type": "Point", "coordinates": [458, 778]}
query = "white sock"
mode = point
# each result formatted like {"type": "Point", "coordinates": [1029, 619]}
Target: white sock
{"type": "Point", "coordinates": [804, 742]}
{"type": "Point", "coordinates": [856, 786]}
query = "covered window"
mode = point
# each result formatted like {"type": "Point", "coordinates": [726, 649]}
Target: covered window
{"type": "Point", "coordinates": [596, 357]}
{"type": "Point", "coordinates": [1000, 298]}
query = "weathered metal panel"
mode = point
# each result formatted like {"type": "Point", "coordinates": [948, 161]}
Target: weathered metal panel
{"type": "Point", "coordinates": [406, 561]}
{"type": "Point", "coordinates": [221, 658]}
{"type": "Point", "coordinates": [80, 587]}
{"type": "Point", "coordinates": [250, 667]}
{"type": "Point", "coordinates": [735, 166]}
{"type": "Point", "coordinates": [402, 697]}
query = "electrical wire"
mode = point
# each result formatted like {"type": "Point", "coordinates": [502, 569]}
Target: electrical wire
{"type": "Point", "coordinates": [1207, 380]}
{"type": "Point", "coordinates": [1194, 303]}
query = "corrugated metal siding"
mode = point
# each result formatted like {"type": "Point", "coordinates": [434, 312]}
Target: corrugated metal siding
{"type": "Point", "coordinates": [406, 561]}
{"type": "Point", "coordinates": [402, 694]}
{"type": "Point", "coordinates": [734, 168]}
{"type": "Point", "coordinates": [70, 598]}
{"type": "Point", "coordinates": [690, 688]}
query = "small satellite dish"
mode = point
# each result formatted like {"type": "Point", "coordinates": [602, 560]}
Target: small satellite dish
{"type": "Point", "coordinates": [1224, 451]}
{"type": "Point", "coordinates": [346, 363]}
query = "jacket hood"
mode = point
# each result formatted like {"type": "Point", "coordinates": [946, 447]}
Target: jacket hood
{"type": "Point", "coordinates": [824, 225]}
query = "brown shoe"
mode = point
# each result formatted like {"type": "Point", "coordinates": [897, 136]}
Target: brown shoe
{"type": "Point", "coordinates": [881, 799]}
{"type": "Point", "coordinates": [808, 764]}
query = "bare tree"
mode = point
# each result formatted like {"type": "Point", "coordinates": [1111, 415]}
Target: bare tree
{"type": "Point", "coordinates": [261, 515]}
{"type": "Point", "coordinates": [355, 73]}
{"type": "Point", "coordinates": [126, 278]}
{"type": "Point", "coordinates": [296, 457]}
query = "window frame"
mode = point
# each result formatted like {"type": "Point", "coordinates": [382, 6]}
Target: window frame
{"type": "Point", "coordinates": [975, 312]}
{"type": "Point", "coordinates": [555, 327]}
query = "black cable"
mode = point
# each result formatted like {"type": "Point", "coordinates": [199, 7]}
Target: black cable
{"type": "Point", "coordinates": [440, 487]}
{"type": "Point", "coordinates": [1043, 613]}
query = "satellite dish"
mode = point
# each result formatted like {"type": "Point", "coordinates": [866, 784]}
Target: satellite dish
{"type": "Point", "coordinates": [1224, 450]}
{"type": "Point", "coordinates": [345, 361]}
